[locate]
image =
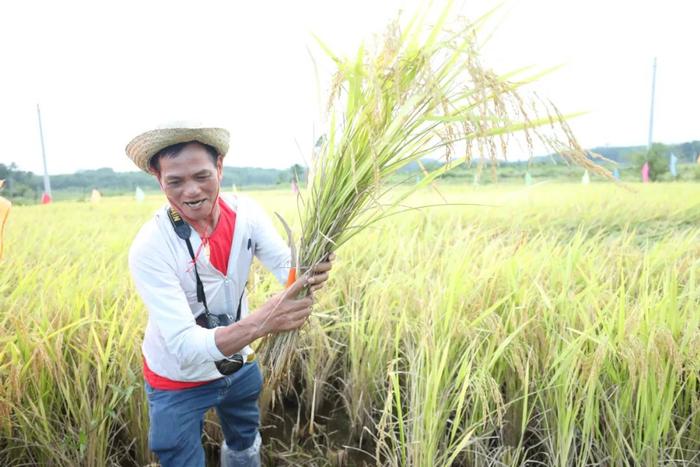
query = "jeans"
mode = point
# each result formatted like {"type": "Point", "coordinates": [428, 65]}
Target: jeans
{"type": "Point", "coordinates": [177, 420]}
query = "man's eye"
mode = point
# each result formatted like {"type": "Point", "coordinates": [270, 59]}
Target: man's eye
{"type": "Point", "coordinates": [174, 183]}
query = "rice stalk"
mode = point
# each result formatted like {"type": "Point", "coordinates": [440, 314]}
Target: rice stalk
{"type": "Point", "coordinates": [419, 93]}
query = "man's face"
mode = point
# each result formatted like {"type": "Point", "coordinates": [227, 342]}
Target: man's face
{"type": "Point", "coordinates": [191, 180]}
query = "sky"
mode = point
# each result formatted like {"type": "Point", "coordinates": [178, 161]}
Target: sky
{"type": "Point", "coordinates": [102, 72]}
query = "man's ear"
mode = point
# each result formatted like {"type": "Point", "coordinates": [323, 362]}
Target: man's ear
{"type": "Point", "coordinates": [220, 167]}
{"type": "Point", "coordinates": [155, 172]}
{"type": "Point", "coordinates": [157, 175]}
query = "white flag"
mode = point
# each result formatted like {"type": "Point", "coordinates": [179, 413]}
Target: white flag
{"type": "Point", "coordinates": [586, 179]}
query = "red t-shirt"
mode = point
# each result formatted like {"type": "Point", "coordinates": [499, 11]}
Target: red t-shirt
{"type": "Point", "coordinates": [221, 238]}
{"type": "Point", "coordinates": [219, 252]}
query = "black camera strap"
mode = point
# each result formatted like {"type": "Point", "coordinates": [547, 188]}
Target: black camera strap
{"type": "Point", "coordinates": [183, 230]}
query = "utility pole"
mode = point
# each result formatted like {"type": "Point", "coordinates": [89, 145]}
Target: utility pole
{"type": "Point", "coordinates": [47, 183]}
{"type": "Point", "coordinates": [651, 112]}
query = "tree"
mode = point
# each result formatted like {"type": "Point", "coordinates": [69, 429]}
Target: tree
{"type": "Point", "coordinates": [689, 151]}
{"type": "Point", "coordinates": [20, 186]}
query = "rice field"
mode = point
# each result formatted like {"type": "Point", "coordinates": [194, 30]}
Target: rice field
{"type": "Point", "coordinates": [554, 325]}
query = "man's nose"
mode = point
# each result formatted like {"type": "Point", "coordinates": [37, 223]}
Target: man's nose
{"type": "Point", "coordinates": [191, 189]}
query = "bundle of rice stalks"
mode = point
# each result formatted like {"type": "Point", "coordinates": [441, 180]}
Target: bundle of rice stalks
{"type": "Point", "coordinates": [421, 92]}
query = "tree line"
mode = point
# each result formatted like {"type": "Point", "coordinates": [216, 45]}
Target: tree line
{"type": "Point", "coordinates": [26, 187]}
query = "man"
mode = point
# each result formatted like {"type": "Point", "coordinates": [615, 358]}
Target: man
{"type": "Point", "coordinates": [188, 367]}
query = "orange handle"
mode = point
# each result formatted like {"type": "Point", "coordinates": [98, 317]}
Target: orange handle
{"type": "Point", "coordinates": [292, 276]}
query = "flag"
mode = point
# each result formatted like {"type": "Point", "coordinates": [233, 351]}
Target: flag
{"type": "Point", "coordinates": [528, 179]}
{"type": "Point", "coordinates": [672, 166]}
{"type": "Point", "coordinates": [139, 195]}
{"type": "Point", "coordinates": [616, 174]}
{"type": "Point", "coordinates": [586, 179]}
{"type": "Point", "coordinates": [95, 196]}
{"type": "Point", "coordinates": [645, 172]}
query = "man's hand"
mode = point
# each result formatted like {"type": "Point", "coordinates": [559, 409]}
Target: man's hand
{"type": "Point", "coordinates": [284, 311]}
{"type": "Point", "coordinates": [319, 273]}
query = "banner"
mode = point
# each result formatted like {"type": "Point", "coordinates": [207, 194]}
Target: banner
{"type": "Point", "coordinates": [139, 195]}
{"type": "Point", "coordinates": [645, 172]}
{"type": "Point", "coordinates": [672, 166]}
{"type": "Point", "coordinates": [95, 196]}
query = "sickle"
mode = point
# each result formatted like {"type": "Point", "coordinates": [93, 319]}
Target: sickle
{"type": "Point", "coordinates": [290, 240]}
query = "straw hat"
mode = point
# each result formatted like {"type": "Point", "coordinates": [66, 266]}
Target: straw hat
{"type": "Point", "coordinates": [146, 145]}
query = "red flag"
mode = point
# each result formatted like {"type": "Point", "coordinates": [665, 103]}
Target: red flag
{"type": "Point", "coordinates": [645, 172]}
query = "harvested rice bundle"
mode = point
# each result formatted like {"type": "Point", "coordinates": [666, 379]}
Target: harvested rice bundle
{"type": "Point", "coordinates": [422, 91]}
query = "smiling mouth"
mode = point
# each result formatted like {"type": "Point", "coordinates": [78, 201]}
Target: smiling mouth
{"type": "Point", "coordinates": [194, 204]}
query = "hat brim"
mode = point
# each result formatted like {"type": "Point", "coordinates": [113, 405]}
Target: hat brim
{"type": "Point", "coordinates": [142, 148]}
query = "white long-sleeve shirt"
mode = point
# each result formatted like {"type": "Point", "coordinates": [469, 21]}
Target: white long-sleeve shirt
{"type": "Point", "coordinates": [174, 346]}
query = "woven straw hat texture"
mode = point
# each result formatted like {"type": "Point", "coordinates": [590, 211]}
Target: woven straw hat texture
{"type": "Point", "coordinates": [146, 145]}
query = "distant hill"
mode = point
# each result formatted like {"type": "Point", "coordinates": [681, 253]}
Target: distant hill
{"type": "Point", "coordinates": [686, 152]}
{"type": "Point", "coordinates": [622, 155]}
